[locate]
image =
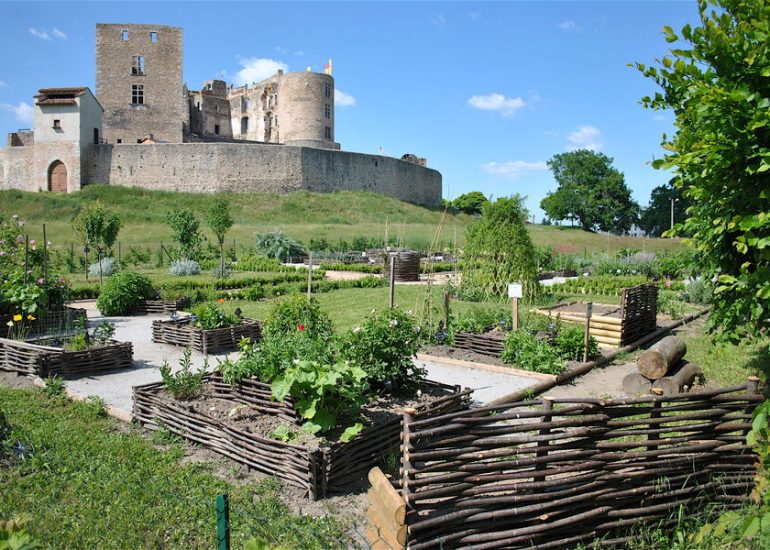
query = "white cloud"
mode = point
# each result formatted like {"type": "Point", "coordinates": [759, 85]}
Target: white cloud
{"type": "Point", "coordinates": [341, 99]}
{"type": "Point", "coordinates": [568, 25]}
{"type": "Point", "coordinates": [42, 34]}
{"type": "Point", "coordinates": [439, 20]}
{"type": "Point", "coordinates": [514, 168]}
{"type": "Point", "coordinates": [59, 34]}
{"type": "Point", "coordinates": [585, 137]}
{"type": "Point", "coordinates": [23, 112]}
{"type": "Point", "coordinates": [254, 69]}
{"type": "Point", "coordinates": [497, 102]}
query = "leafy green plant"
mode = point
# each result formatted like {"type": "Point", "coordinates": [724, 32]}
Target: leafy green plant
{"type": "Point", "coordinates": [570, 342]}
{"type": "Point", "coordinates": [384, 346]}
{"type": "Point", "coordinates": [527, 352]}
{"type": "Point", "coordinates": [13, 536]}
{"type": "Point", "coordinates": [283, 433]}
{"type": "Point", "coordinates": [325, 394]}
{"type": "Point", "coordinates": [54, 386]}
{"type": "Point", "coordinates": [697, 290]}
{"type": "Point", "coordinates": [209, 316]}
{"type": "Point", "coordinates": [184, 384]}
{"type": "Point", "coordinates": [477, 319]}
{"type": "Point", "coordinates": [251, 262]}
{"type": "Point", "coordinates": [185, 231]}
{"type": "Point", "coordinates": [97, 226]}
{"type": "Point", "coordinates": [276, 244]}
{"type": "Point", "coordinates": [297, 313]}
{"type": "Point", "coordinates": [123, 291]}
{"type": "Point", "coordinates": [220, 221]}
{"type": "Point", "coordinates": [669, 304]}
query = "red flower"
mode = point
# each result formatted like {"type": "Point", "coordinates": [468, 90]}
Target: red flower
{"type": "Point", "coordinates": [301, 327]}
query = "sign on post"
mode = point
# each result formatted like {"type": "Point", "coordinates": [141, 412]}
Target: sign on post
{"type": "Point", "coordinates": [515, 292]}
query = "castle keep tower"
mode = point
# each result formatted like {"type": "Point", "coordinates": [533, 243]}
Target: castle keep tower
{"type": "Point", "coordinates": [139, 82]}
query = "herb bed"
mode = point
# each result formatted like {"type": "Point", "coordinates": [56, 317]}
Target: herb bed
{"type": "Point", "coordinates": [314, 465]}
{"type": "Point", "coordinates": [46, 357]}
{"type": "Point", "coordinates": [181, 332]}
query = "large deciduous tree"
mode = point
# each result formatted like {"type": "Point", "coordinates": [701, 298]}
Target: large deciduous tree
{"type": "Point", "coordinates": [716, 79]}
{"type": "Point", "coordinates": [656, 217]}
{"type": "Point", "coordinates": [590, 191]}
{"type": "Point", "coordinates": [470, 203]}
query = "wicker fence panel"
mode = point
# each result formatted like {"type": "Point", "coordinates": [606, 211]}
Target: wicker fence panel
{"type": "Point", "coordinates": [38, 358]}
{"type": "Point", "coordinates": [485, 344]}
{"type": "Point", "coordinates": [318, 471]}
{"type": "Point", "coordinates": [181, 332]}
{"type": "Point", "coordinates": [639, 306]}
{"type": "Point", "coordinates": [553, 473]}
{"type": "Point", "coordinates": [160, 307]}
{"type": "Point", "coordinates": [406, 266]}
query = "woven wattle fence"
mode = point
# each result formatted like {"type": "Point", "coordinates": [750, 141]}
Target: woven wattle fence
{"type": "Point", "coordinates": [160, 307]}
{"type": "Point", "coordinates": [406, 266]}
{"type": "Point", "coordinates": [319, 471]}
{"type": "Point", "coordinates": [181, 332]}
{"type": "Point", "coordinates": [555, 473]}
{"type": "Point", "coordinates": [490, 343]}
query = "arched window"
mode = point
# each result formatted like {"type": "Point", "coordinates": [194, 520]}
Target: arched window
{"type": "Point", "coordinates": [57, 177]}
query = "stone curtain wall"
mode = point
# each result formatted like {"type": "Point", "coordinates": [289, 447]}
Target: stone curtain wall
{"type": "Point", "coordinates": [234, 167]}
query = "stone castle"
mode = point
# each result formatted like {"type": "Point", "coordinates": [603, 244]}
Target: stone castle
{"type": "Point", "coordinates": [144, 128]}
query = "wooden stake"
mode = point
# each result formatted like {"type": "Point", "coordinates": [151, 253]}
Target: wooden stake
{"type": "Point", "coordinates": [26, 259]}
{"type": "Point", "coordinates": [45, 255]}
{"type": "Point", "coordinates": [515, 314]}
{"type": "Point", "coordinates": [392, 281]}
{"type": "Point", "coordinates": [587, 336]}
{"type": "Point", "coordinates": [309, 275]}
{"type": "Point", "coordinates": [446, 311]}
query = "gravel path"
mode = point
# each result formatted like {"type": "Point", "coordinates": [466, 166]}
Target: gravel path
{"type": "Point", "coordinates": [115, 387]}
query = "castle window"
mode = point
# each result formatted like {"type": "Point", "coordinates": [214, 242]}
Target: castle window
{"type": "Point", "coordinates": [328, 90]}
{"type": "Point", "coordinates": [244, 125]}
{"type": "Point", "coordinates": [137, 66]}
{"type": "Point", "coordinates": [153, 37]}
{"type": "Point", "coordinates": [137, 94]}
{"type": "Point", "coordinates": [96, 136]}
{"type": "Point", "coordinates": [327, 111]}
{"type": "Point", "coordinates": [216, 129]}
{"type": "Point", "coordinates": [327, 132]}
{"type": "Point", "coordinates": [56, 124]}
{"type": "Point", "coordinates": [124, 35]}
{"type": "Point", "coordinates": [120, 140]}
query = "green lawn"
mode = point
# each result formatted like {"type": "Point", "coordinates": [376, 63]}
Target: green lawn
{"type": "Point", "coordinates": [302, 215]}
{"type": "Point", "coordinates": [84, 483]}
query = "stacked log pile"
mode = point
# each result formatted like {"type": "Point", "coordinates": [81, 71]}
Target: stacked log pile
{"type": "Point", "coordinates": [386, 514]}
{"type": "Point", "coordinates": [663, 370]}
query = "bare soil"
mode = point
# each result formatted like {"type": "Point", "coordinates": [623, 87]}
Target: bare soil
{"type": "Point", "coordinates": [463, 355]}
{"type": "Point", "coordinates": [580, 309]}
{"type": "Point", "coordinates": [16, 381]}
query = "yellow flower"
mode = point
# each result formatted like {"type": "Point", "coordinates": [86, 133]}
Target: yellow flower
{"type": "Point", "coordinates": [17, 317]}
{"type": "Point", "coordinates": [30, 317]}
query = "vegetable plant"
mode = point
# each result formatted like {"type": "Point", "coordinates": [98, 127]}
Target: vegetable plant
{"type": "Point", "coordinates": [185, 384]}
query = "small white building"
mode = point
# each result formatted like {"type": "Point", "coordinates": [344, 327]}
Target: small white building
{"type": "Point", "coordinates": [68, 122]}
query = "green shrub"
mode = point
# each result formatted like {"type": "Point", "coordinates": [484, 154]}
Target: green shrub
{"type": "Point", "coordinates": [259, 263]}
{"type": "Point", "coordinates": [384, 346]}
{"type": "Point", "coordinates": [669, 304]}
{"type": "Point", "coordinates": [123, 291]}
{"type": "Point", "coordinates": [276, 244]}
{"type": "Point", "coordinates": [478, 319]}
{"type": "Point", "coordinates": [698, 291]}
{"type": "Point", "coordinates": [208, 317]}
{"type": "Point", "coordinates": [297, 313]}
{"type": "Point", "coordinates": [525, 351]}
{"type": "Point", "coordinates": [184, 385]}
{"type": "Point", "coordinates": [570, 343]}
{"type": "Point", "coordinates": [358, 268]}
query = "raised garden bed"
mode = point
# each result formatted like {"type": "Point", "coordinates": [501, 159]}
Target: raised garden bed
{"type": "Point", "coordinates": [181, 332]}
{"type": "Point", "coordinates": [489, 343]}
{"type": "Point", "coordinates": [55, 321]}
{"type": "Point", "coordinates": [160, 307]}
{"type": "Point", "coordinates": [612, 325]}
{"type": "Point", "coordinates": [46, 357]}
{"type": "Point", "coordinates": [318, 468]}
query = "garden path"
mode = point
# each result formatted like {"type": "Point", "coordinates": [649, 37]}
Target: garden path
{"type": "Point", "coordinates": [115, 386]}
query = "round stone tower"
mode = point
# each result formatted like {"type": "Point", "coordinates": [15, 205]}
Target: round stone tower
{"type": "Point", "coordinates": [306, 110]}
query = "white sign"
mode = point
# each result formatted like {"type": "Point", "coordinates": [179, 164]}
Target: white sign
{"type": "Point", "coordinates": [515, 291]}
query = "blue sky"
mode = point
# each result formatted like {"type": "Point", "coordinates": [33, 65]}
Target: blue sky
{"type": "Point", "coordinates": [487, 91]}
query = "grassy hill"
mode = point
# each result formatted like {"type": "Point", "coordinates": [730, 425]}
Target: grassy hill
{"type": "Point", "coordinates": [301, 215]}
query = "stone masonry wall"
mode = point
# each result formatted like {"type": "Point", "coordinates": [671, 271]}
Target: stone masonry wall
{"type": "Point", "coordinates": [240, 167]}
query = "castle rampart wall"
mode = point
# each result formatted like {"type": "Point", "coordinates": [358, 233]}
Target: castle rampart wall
{"type": "Point", "coordinates": [239, 167]}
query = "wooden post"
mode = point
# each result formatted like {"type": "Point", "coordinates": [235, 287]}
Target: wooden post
{"type": "Point", "coordinates": [223, 522]}
{"type": "Point", "coordinates": [542, 446]}
{"type": "Point", "coordinates": [752, 385]}
{"type": "Point", "coordinates": [515, 314]}
{"type": "Point", "coordinates": [99, 256]}
{"type": "Point", "coordinates": [392, 301]}
{"type": "Point", "coordinates": [161, 253]}
{"type": "Point", "coordinates": [26, 259]}
{"type": "Point", "coordinates": [72, 257]}
{"type": "Point", "coordinates": [120, 254]}
{"type": "Point", "coordinates": [309, 275]}
{"type": "Point", "coordinates": [45, 255]}
{"type": "Point", "coordinates": [587, 336]}
{"type": "Point", "coordinates": [406, 463]}
{"type": "Point", "coordinates": [85, 259]}
{"type": "Point", "coordinates": [446, 310]}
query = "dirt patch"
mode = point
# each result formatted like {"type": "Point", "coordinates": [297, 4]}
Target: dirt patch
{"type": "Point", "coordinates": [463, 355]}
{"type": "Point", "coordinates": [348, 275]}
{"type": "Point", "coordinates": [579, 308]}
{"type": "Point", "coordinates": [14, 380]}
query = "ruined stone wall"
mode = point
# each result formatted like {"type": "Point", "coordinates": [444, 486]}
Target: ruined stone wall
{"type": "Point", "coordinates": [165, 106]}
{"type": "Point", "coordinates": [241, 167]}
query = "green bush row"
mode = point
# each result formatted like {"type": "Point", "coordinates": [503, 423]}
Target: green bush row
{"type": "Point", "coordinates": [610, 285]}
{"type": "Point", "coordinates": [262, 291]}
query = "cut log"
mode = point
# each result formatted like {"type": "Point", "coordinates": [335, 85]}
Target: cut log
{"type": "Point", "coordinates": [683, 377]}
{"type": "Point", "coordinates": [634, 383]}
{"type": "Point", "coordinates": [661, 357]}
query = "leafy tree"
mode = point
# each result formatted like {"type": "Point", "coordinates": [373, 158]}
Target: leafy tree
{"type": "Point", "coordinates": [185, 231]}
{"type": "Point", "coordinates": [717, 82]}
{"type": "Point", "coordinates": [98, 227]}
{"type": "Point", "coordinates": [590, 191]}
{"type": "Point", "coordinates": [656, 218]}
{"type": "Point", "coordinates": [220, 221]}
{"type": "Point", "coordinates": [276, 244]}
{"type": "Point", "coordinates": [470, 203]}
{"type": "Point", "coordinates": [499, 250]}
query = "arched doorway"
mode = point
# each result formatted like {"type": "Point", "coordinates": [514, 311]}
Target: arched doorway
{"type": "Point", "coordinates": [57, 177]}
